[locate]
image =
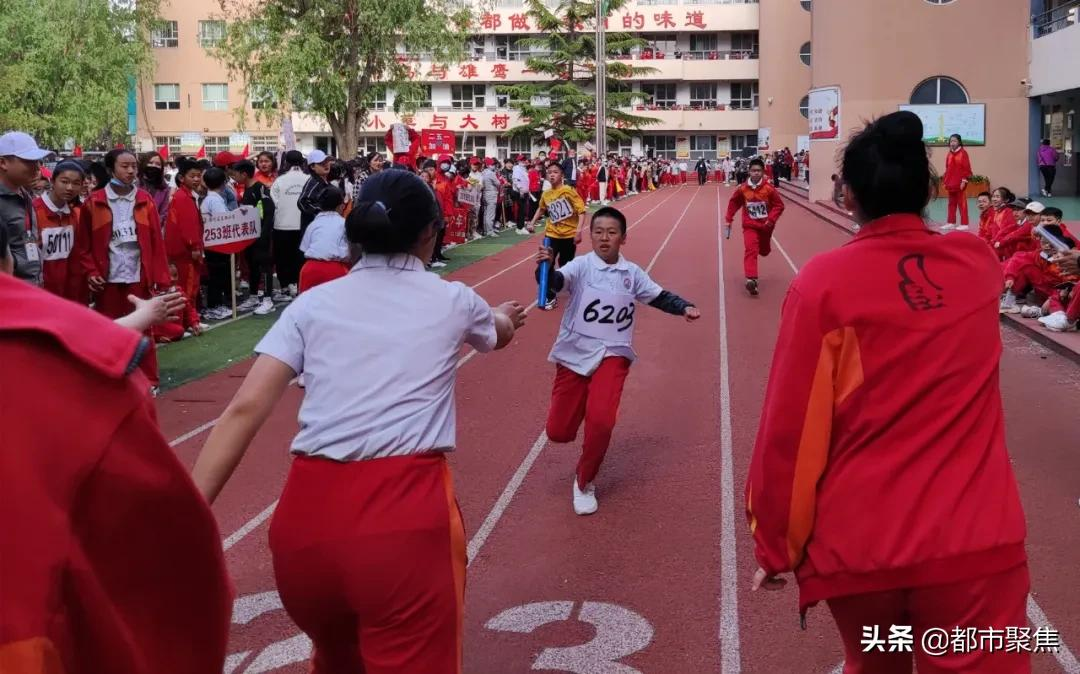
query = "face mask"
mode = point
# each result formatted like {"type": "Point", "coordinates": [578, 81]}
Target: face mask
{"type": "Point", "coordinates": [116, 182]}
{"type": "Point", "coordinates": [153, 174]}
{"type": "Point", "coordinates": [444, 167]}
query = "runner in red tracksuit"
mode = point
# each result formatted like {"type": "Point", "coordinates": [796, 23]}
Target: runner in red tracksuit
{"type": "Point", "coordinates": [957, 174]}
{"type": "Point", "coordinates": [880, 474]}
{"type": "Point", "coordinates": [110, 561]}
{"type": "Point", "coordinates": [762, 207]}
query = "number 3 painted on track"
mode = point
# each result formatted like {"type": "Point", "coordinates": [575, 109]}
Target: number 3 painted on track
{"type": "Point", "coordinates": [619, 632]}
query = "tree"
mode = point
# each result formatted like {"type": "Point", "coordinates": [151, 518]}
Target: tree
{"type": "Point", "coordinates": [66, 66]}
{"type": "Point", "coordinates": [564, 104]}
{"type": "Point", "coordinates": [333, 57]}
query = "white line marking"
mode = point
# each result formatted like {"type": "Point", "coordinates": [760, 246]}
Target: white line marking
{"type": "Point", "coordinates": [194, 432]}
{"type": "Point", "coordinates": [730, 660]}
{"type": "Point", "coordinates": [786, 256]}
{"type": "Point", "coordinates": [522, 471]}
{"type": "Point", "coordinates": [664, 244]}
{"type": "Point", "coordinates": [839, 669]}
{"type": "Point", "coordinates": [1064, 656]}
{"type": "Point", "coordinates": [250, 526]}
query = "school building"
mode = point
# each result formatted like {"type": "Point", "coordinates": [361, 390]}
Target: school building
{"type": "Point", "coordinates": [727, 76]}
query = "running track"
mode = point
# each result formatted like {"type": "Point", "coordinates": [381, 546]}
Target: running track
{"type": "Point", "coordinates": [658, 580]}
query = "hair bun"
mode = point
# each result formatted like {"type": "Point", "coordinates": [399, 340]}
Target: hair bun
{"type": "Point", "coordinates": [898, 134]}
{"type": "Point", "coordinates": [373, 212]}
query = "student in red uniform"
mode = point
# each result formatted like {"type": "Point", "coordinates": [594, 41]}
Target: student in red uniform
{"type": "Point", "coordinates": [184, 231]}
{"type": "Point", "coordinates": [126, 253]}
{"type": "Point", "coordinates": [880, 474]}
{"type": "Point", "coordinates": [762, 206]}
{"type": "Point", "coordinates": [58, 227]}
{"type": "Point", "coordinates": [110, 561]}
{"type": "Point", "coordinates": [987, 224]}
{"type": "Point", "coordinates": [955, 180]}
{"type": "Point", "coordinates": [367, 541]}
{"type": "Point", "coordinates": [1015, 236]}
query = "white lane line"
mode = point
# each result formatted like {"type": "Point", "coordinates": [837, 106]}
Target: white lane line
{"type": "Point", "coordinates": [248, 527]}
{"type": "Point", "coordinates": [786, 256]}
{"type": "Point", "coordinates": [839, 669]}
{"type": "Point", "coordinates": [194, 432]}
{"type": "Point", "coordinates": [664, 244]}
{"type": "Point", "coordinates": [730, 660]}
{"type": "Point", "coordinates": [1064, 656]}
{"type": "Point", "coordinates": [518, 478]}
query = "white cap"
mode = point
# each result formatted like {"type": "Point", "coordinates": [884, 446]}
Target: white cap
{"type": "Point", "coordinates": [1035, 207]}
{"type": "Point", "coordinates": [316, 157]}
{"type": "Point", "coordinates": [21, 145]}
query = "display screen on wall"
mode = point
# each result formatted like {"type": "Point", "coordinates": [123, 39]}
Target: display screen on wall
{"type": "Point", "coordinates": [942, 121]}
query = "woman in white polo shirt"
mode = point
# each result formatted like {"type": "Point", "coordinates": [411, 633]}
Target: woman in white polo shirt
{"type": "Point", "coordinates": [367, 541]}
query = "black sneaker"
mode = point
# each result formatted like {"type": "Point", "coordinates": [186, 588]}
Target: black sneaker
{"type": "Point", "coordinates": [751, 286]}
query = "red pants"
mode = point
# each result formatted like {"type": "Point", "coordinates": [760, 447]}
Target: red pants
{"type": "Point", "coordinates": [369, 558]}
{"type": "Point", "coordinates": [756, 241]}
{"type": "Point", "coordinates": [958, 200]}
{"type": "Point", "coordinates": [997, 601]}
{"type": "Point", "coordinates": [318, 272]}
{"type": "Point", "coordinates": [113, 303]}
{"type": "Point", "coordinates": [595, 400]}
{"type": "Point", "coordinates": [187, 278]}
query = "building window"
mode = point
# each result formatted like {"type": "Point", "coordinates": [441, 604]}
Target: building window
{"type": "Point", "coordinates": [745, 43]}
{"type": "Point", "coordinates": [173, 143]}
{"type": "Point", "coordinates": [939, 91]}
{"type": "Point", "coordinates": [215, 144]}
{"type": "Point", "coordinates": [264, 144]}
{"type": "Point", "coordinates": [661, 146]}
{"type": "Point", "coordinates": [262, 98]}
{"type": "Point", "coordinates": [215, 97]}
{"type": "Point", "coordinates": [665, 43]}
{"type": "Point", "coordinates": [471, 144]}
{"type": "Point", "coordinates": [369, 144]}
{"type": "Point", "coordinates": [620, 146]}
{"type": "Point", "coordinates": [502, 147]}
{"type": "Point", "coordinates": [703, 95]}
{"type": "Point", "coordinates": [702, 146]}
{"type": "Point", "coordinates": [510, 48]}
{"type": "Point", "coordinates": [743, 142]}
{"type": "Point", "coordinates": [211, 33]}
{"type": "Point", "coordinates": [166, 96]}
{"type": "Point", "coordinates": [378, 100]}
{"type": "Point", "coordinates": [521, 145]}
{"type": "Point", "coordinates": [744, 95]}
{"type": "Point", "coordinates": [418, 100]}
{"type": "Point", "coordinates": [662, 95]}
{"type": "Point", "coordinates": [703, 43]}
{"type": "Point", "coordinates": [467, 96]}
{"type": "Point", "coordinates": [805, 4]}
{"type": "Point", "coordinates": [165, 34]}
{"type": "Point", "coordinates": [804, 53]}
{"type": "Point", "coordinates": [804, 107]}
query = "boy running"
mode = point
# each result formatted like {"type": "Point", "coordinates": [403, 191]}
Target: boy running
{"type": "Point", "coordinates": [565, 211]}
{"type": "Point", "coordinates": [593, 351]}
{"type": "Point", "coordinates": [762, 206]}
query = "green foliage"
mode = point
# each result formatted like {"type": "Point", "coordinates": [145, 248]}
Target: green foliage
{"type": "Point", "coordinates": [569, 38]}
{"type": "Point", "coordinates": [65, 66]}
{"type": "Point", "coordinates": [332, 57]}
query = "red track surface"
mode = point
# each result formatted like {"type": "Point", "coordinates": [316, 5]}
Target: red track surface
{"type": "Point", "coordinates": [648, 570]}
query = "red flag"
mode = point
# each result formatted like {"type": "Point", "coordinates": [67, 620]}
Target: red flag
{"type": "Point", "coordinates": [78, 151]}
{"type": "Point", "coordinates": [555, 144]}
{"type": "Point", "coordinates": [163, 152]}
{"type": "Point", "coordinates": [246, 152]}
{"type": "Point", "coordinates": [201, 154]}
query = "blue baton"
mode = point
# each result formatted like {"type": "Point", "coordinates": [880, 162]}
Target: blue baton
{"type": "Point", "coordinates": [541, 298]}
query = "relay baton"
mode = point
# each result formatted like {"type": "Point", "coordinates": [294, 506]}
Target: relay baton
{"type": "Point", "coordinates": [541, 298]}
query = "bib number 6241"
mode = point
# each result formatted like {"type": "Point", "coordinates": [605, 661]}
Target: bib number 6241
{"type": "Point", "coordinates": [597, 312]}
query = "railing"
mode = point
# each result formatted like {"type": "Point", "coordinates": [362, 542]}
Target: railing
{"type": "Point", "coordinates": [648, 53]}
{"type": "Point", "coordinates": [693, 107]}
{"type": "Point", "coordinates": [1056, 19]}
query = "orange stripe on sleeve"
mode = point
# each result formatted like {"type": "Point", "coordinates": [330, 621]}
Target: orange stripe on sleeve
{"type": "Point", "coordinates": [839, 373]}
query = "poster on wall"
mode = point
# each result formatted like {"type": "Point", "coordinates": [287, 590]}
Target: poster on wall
{"type": "Point", "coordinates": [824, 113]}
{"type": "Point", "coordinates": [802, 143]}
{"type": "Point", "coordinates": [1057, 131]}
{"type": "Point", "coordinates": [682, 147]}
{"type": "Point", "coordinates": [723, 146]}
{"type": "Point", "coordinates": [941, 121]}
{"type": "Point", "coordinates": [190, 143]}
{"type": "Point", "coordinates": [764, 137]}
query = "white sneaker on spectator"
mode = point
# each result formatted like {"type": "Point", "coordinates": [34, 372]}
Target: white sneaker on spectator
{"type": "Point", "coordinates": [493, 234]}
{"type": "Point", "coordinates": [1031, 311]}
{"type": "Point", "coordinates": [266, 306]}
{"type": "Point", "coordinates": [1057, 322]}
{"type": "Point", "coordinates": [248, 304]}
{"type": "Point", "coordinates": [1008, 304]}
{"type": "Point", "coordinates": [293, 291]}
{"type": "Point", "coordinates": [522, 232]}
{"type": "Point", "coordinates": [438, 264]}
{"type": "Point", "coordinates": [281, 296]}
{"type": "Point", "coordinates": [584, 501]}
{"type": "Point", "coordinates": [245, 286]}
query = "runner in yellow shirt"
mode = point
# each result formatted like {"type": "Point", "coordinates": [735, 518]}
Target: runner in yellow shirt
{"type": "Point", "coordinates": [566, 216]}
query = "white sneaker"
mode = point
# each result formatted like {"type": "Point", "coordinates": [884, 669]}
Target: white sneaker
{"type": "Point", "coordinates": [248, 304]}
{"type": "Point", "coordinates": [245, 286]}
{"type": "Point", "coordinates": [281, 296]}
{"type": "Point", "coordinates": [293, 292]}
{"type": "Point", "coordinates": [522, 232]}
{"type": "Point", "coordinates": [203, 326]}
{"type": "Point", "coordinates": [584, 501]}
{"type": "Point", "coordinates": [1031, 311]}
{"type": "Point", "coordinates": [1008, 304]}
{"type": "Point", "coordinates": [550, 306]}
{"type": "Point", "coordinates": [155, 391]}
{"type": "Point", "coordinates": [266, 306]}
{"type": "Point", "coordinates": [438, 264]}
{"type": "Point", "coordinates": [493, 235]}
{"type": "Point", "coordinates": [1057, 322]}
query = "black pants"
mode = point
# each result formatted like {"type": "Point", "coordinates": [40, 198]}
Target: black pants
{"type": "Point", "coordinates": [260, 267]}
{"type": "Point", "coordinates": [701, 177]}
{"type": "Point", "coordinates": [522, 199]}
{"type": "Point", "coordinates": [287, 256]}
{"type": "Point", "coordinates": [1048, 174]}
{"type": "Point", "coordinates": [218, 286]}
{"type": "Point", "coordinates": [742, 177]}
{"type": "Point", "coordinates": [564, 249]}
{"type": "Point", "coordinates": [436, 253]}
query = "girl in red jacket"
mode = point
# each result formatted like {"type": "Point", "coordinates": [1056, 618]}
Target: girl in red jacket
{"type": "Point", "coordinates": [761, 206]}
{"type": "Point", "coordinates": [184, 232]}
{"type": "Point", "coordinates": [955, 180]}
{"type": "Point", "coordinates": [880, 474]}
{"type": "Point", "coordinates": [58, 225]}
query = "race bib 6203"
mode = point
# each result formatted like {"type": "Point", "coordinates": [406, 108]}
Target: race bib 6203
{"type": "Point", "coordinates": [57, 242]}
{"type": "Point", "coordinates": [606, 316]}
{"type": "Point", "coordinates": [757, 210]}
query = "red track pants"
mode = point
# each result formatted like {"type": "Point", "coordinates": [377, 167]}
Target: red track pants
{"type": "Point", "coordinates": [997, 601]}
{"type": "Point", "coordinates": [369, 558]}
{"type": "Point", "coordinates": [594, 399]}
{"type": "Point", "coordinates": [958, 200]}
{"type": "Point", "coordinates": [318, 272]}
{"type": "Point", "coordinates": [756, 241]}
{"type": "Point", "coordinates": [113, 303]}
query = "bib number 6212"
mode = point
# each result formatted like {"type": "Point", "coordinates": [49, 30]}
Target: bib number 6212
{"type": "Point", "coordinates": [597, 312]}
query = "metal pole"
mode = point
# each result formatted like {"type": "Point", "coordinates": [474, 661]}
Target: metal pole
{"type": "Point", "coordinates": [601, 81]}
